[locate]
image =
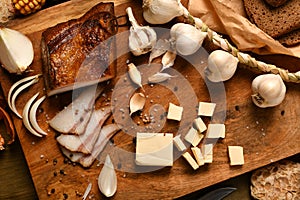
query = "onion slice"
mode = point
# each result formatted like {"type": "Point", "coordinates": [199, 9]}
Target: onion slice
{"type": "Point", "coordinates": [32, 116]}
{"type": "Point", "coordinates": [12, 96]}
{"type": "Point", "coordinates": [26, 121]}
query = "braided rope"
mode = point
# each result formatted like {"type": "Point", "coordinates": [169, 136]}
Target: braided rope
{"type": "Point", "coordinates": [243, 58]}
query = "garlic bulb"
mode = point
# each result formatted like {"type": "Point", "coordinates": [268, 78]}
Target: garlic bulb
{"type": "Point", "coordinates": [142, 39]}
{"type": "Point", "coordinates": [161, 11]}
{"type": "Point", "coordinates": [16, 50]}
{"type": "Point", "coordinates": [107, 180]}
{"type": "Point", "coordinates": [269, 90]}
{"type": "Point", "coordinates": [221, 66]}
{"type": "Point", "coordinates": [187, 38]}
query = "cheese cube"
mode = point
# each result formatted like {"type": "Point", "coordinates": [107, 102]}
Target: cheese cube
{"type": "Point", "coordinates": [215, 131]}
{"type": "Point", "coordinates": [236, 155]}
{"type": "Point", "coordinates": [208, 153]}
{"type": "Point", "coordinates": [190, 160]}
{"type": "Point", "coordinates": [198, 155]}
{"type": "Point", "coordinates": [206, 109]}
{"type": "Point", "coordinates": [200, 125]}
{"type": "Point", "coordinates": [154, 149]}
{"type": "Point", "coordinates": [174, 112]}
{"type": "Point", "coordinates": [193, 137]}
{"type": "Point", "coordinates": [178, 143]}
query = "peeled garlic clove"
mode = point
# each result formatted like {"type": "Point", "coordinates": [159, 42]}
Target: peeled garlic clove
{"type": "Point", "coordinates": [135, 75]}
{"type": "Point", "coordinates": [141, 38]}
{"type": "Point", "coordinates": [107, 180]}
{"type": "Point", "coordinates": [161, 11]}
{"type": "Point", "coordinates": [159, 77]}
{"type": "Point", "coordinates": [25, 116]}
{"type": "Point", "coordinates": [137, 102]}
{"type": "Point", "coordinates": [269, 90]}
{"type": "Point", "coordinates": [159, 49]}
{"type": "Point", "coordinates": [32, 116]}
{"type": "Point", "coordinates": [168, 60]}
{"type": "Point", "coordinates": [13, 96]}
{"type": "Point", "coordinates": [221, 66]}
{"type": "Point", "coordinates": [187, 38]}
{"type": "Point", "coordinates": [16, 50]}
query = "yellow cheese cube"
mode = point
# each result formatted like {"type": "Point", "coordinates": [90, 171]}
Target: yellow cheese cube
{"type": "Point", "coordinates": [154, 149]}
{"type": "Point", "coordinates": [174, 112]}
{"type": "Point", "coordinates": [206, 109]}
{"type": "Point", "coordinates": [236, 155]}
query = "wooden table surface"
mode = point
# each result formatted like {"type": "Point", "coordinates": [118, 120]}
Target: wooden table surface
{"type": "Point", "coordinates": [16, 181]}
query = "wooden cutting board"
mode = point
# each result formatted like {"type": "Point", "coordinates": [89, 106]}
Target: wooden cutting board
{"type": "Point", "coordinates": [267, 135]}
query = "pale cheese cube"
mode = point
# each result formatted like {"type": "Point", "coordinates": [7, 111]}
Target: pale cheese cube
{"type": "Point", "coordinates": [198, 155]}
{"type": "Point", "coordinates": [200, 125]}
{"type": "Point", "coordinates": [206, 109]}
{"type": "Point", "coordinates": [215, 131]}
{"type": "Point", "coordinates": [190, 160]}
{"type": "Point", "coordinates": [154, 149]}
{"type": "Point", "coordinates": [174, 112]}
{"type": "Point", "coordinates": [236, 155]}
{"type": "Point", "coordinates": [208, 153]}
{"type": "Point", "coordinates": [193, 137]}
{"type": "Point", "coordinates": [178, 143]}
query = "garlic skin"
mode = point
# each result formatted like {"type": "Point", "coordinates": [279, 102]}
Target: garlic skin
{"type": "Point", "coordinates": [142, 39]}
{"type": "Point", "coordinates": [137, 102]}
{"type": "Point", "coordinates": [186, 38]}
{"type": "Point", "coordinates": [269, 90]}
{"type": "Point", "coordinates": [161, 11]}
{"type": "Point", "coordinates": [107, 180]}
{"type": "Point", "coordinates": [221, 66]}
{"type": "Point", "coordinates": [16, 50]}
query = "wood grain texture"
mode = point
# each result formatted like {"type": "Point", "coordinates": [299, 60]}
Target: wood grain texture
{"type": "Point", "coordinates": [267, 135]}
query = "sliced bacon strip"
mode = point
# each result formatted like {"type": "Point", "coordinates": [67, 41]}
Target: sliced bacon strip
{"type": "Point", "coordinates": [106, 133]}
{"type": "Point", "coordinates": [75, 117]}
{"type": "Point", "coordinates": [85, 142]}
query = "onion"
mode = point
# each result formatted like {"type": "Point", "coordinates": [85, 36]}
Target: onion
{"type": "Point", "coordinates": [25, 115]}
{"type": "Point", "coordinates": [32, 116]}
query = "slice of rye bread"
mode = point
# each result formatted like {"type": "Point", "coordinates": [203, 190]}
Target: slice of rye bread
{"type": "Point", "coordinates": [274, 21]}
{"type": "Point", "coordinates": [276, 3]}
{"type": "Point", "coordinates": [290, 39]}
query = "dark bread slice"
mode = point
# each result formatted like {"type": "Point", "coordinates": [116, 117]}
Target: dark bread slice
{"type": "Point", "coordinates": [290, 39]}
{"type": "Point", "coordinates": [76, 53]}
{"type": "Point", "coordinates": [274, 21]}
{"type": "Point", "coordinates": [276, 3]}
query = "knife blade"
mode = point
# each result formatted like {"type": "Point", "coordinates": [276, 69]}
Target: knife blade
{"type": "Point", "coordinates": [217, 194]}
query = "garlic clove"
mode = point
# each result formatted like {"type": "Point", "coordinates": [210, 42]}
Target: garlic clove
{"type": "Point", "coordinates": [12, 101]}
{"type": "Point", "coordinates": [159, 49]}
{"type": "Point", "coordinates": [168, 60]}
{"type": "Point", "coordinates": [187, 38]}
{"type": "Point", "coordinates": [135, 75]}
{"type": "Point", "coordinates": [32, 116]}
{"type": "Point", "coordinates": [269, 90]}
{"type": "Point", "coordinates": [25, 116]}
{"type": "Point", "coordinates": [221, 66]}
{"type": "Point", "coordinates": [142, 39]}
{"type": "Point", "coordinates": [107, 180]}
{"type": "Point", "coordinates": [16, 50]}
{"type": "Point", "coordinates": [137, 102]}
{"type": "Point", "coordinates": [161, 11]}
{"type": "Point", "coordinates": [159, 77]}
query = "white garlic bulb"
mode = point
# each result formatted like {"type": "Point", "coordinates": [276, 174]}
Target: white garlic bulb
{"type": "Point", "coordinates": [161, 11]}
{"type": "Point", "coordinates": [269, 90]}
{"type": "Point", "coordinates": [187, 38]}
{"type": "Point", "coordinates": [142, 39]}
{"type": "Point", "coordinates": [221, 66]}
{"type": "Point", "coordinates": [16, 50]}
